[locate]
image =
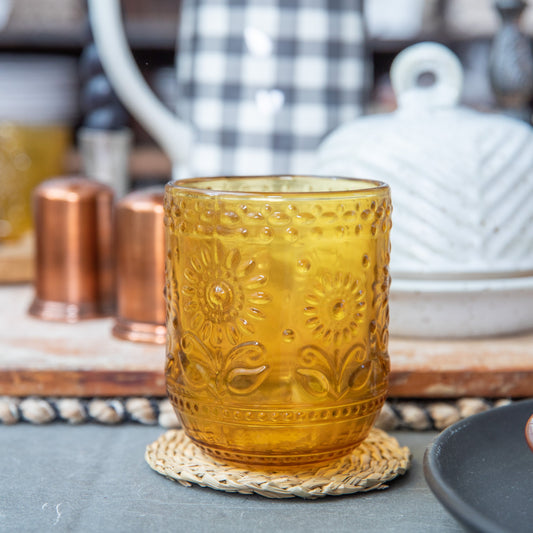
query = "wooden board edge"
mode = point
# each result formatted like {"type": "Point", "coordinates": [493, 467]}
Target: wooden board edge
{"type": "Point", "coordinates": [404, 384]}
{"type": "Point", "coordinates": [79, 383]}
{"type": "Point", "coordinates": [462, 383]}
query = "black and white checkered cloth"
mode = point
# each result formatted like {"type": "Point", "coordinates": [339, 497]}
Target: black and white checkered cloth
{"type": "Point", "coordinates": [262, 81]}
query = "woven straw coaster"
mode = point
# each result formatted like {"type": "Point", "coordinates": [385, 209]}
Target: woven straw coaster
{"type": "Point", "coordinates": [371, 465]}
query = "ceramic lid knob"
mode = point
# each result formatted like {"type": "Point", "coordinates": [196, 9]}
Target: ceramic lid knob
{"type": "Point", "coordinates": [427, 58]}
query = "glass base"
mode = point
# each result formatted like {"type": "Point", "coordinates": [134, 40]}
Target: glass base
{"type": "Point", "coordinates": [277, 436]}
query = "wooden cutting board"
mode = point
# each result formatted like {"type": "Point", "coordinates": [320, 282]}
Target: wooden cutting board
{"type": "Point", "coordinates": [84, 360]}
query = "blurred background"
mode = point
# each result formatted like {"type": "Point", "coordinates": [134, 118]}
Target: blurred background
{"type": "Point", "coordinates": [59, 27]}
{"type": "Point", "coordinates": [46, 75]}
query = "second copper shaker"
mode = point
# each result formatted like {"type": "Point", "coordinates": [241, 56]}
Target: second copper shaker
{"type": "Point", "coordinates": [141, 267]}
{"type": "Point", "coordinates": [74, 276]}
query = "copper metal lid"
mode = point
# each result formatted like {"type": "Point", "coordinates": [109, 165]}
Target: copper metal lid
{"type": "Point", "coordinates": [74, 277]}
{"type": "Point", "coordinates": [141, 267]}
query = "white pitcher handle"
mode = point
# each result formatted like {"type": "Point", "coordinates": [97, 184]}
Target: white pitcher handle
{"type": "Point", "coordinates": [173, 135]}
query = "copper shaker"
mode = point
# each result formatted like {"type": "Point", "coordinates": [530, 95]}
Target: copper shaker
{"type": "Point", "coordinates": [140, 235]}
{"type": "Point", "coordinates": [74, 276]}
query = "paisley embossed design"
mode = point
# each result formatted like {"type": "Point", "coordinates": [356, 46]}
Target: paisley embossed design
{"type": "Point", "coordinates": [239, 372]}
{"type": "Point", "coordinates": [334, 309]}
{"type": "Point", "coordinates": [323, 376]}
{"type": "Point", "coordinates": [222, 294]}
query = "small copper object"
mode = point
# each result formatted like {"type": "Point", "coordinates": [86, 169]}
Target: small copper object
{"type": "Point", "coordinates": [141, 267]}
{"type": "Point", "coordinates": [74, 275]}
{"type": "Point", "coordinates": [529, 432]}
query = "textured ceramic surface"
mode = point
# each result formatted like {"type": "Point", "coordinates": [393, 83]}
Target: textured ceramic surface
{"type": "Point", "coordinates": [460, 179]}
{"type": "Point", "coordinates": [461, 308]}
{"type": "Point", "coordinates": [277, 314]}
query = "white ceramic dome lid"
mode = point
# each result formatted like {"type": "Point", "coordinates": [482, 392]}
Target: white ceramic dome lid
{"type": "Point", "coordinates": [461, 181]}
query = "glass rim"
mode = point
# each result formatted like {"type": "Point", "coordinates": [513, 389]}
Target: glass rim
{"type": "Point", "coordinates": [184, 184]}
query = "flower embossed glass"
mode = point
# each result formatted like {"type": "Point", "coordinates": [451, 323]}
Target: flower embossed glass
{"type": "Point", "coordinates": [277, 314]}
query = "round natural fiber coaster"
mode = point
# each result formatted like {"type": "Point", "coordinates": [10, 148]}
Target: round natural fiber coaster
{"type": "Point", "coordinates": [370, 466]}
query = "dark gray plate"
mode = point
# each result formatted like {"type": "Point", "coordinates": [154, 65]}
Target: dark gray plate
{"type": "Point", "coordinates": [481, 470]}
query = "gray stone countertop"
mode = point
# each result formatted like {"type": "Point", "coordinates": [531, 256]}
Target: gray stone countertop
{"type": "Point", "coordinates": [94, 478]}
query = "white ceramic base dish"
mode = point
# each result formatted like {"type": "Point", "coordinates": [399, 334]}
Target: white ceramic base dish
{"type": "Point", "coordinates": [461, 308]}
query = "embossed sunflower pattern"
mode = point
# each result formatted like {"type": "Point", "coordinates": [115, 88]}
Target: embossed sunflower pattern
{"type": "Point", "coordinates": [222, 294]}
{"type": "Point", "coordinates": [334, 309]}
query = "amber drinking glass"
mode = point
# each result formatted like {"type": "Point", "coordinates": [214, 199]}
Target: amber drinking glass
{"type": "Point", "coordinates": [277, 314]}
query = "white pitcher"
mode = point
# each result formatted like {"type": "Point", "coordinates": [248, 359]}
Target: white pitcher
{"type": "Point", "coordinates": [259, 85]}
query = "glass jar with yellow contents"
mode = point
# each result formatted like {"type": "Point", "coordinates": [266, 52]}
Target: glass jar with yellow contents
{"type": "Point", "coordinates": [38, 103]}
{"type": "Point", "coordinates": [277, 314]}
